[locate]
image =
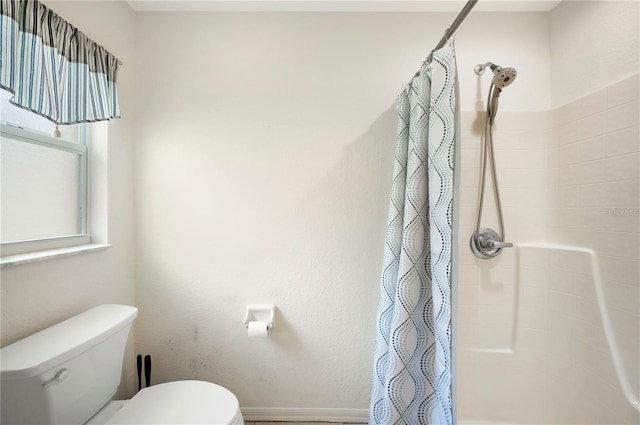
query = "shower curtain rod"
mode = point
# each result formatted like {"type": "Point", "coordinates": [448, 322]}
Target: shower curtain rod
{"type": "Point", "coordinates": [454, 26]}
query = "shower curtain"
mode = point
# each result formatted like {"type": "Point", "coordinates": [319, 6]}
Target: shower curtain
{"type": "Point", "coordinates": [412, 377]}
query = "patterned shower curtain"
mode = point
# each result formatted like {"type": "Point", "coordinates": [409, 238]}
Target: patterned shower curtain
{"type": "Point", "coordinates": [412, 377]}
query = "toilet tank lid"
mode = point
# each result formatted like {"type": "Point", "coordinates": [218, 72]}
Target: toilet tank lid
{"type": "Point", "coordinates": [43, 350]}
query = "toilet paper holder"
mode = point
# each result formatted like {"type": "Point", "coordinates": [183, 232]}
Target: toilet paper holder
{"type": "Point", "coordinates": [260, 313]}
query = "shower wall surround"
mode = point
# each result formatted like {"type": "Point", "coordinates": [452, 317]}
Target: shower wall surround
{"type": "Point", "coordinates": [531, 331]}
{"type": "Point", "coordinates": [595, 164]}
{"type": "Point", "coordinates": [532, 346]}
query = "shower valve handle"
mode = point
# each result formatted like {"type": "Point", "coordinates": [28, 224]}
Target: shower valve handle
{"type": "Point", "coordinates": [493, 244]}
{"type": "Point", "coordinates": [487, 244]}
{"type": "Point", "coordinates": [491, 241]}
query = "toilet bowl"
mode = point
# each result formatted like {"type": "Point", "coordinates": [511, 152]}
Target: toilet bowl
{"type": "Point", "coordinates": [68, 373]}
{"type": "Point", "coordinates": [178, 402]}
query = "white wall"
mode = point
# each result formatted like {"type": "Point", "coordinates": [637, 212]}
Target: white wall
{"type": "Point", "coordinates": [37, 295]}
{"type": "Point", "coordinates": [593, 44]}
{"type": "Point", "coordinates": [263, 172]}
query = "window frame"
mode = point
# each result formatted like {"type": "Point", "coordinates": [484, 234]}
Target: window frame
{"type": "Point", "coordinates": [81, 149]}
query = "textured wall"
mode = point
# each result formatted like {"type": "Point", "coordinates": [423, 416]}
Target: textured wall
{"type": "Point", "coordinates": [594, 44]}
{"type": "Point", "coordinates": [263, 165]}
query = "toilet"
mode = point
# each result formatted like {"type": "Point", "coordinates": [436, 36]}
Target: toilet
{"type": "Point", "coordinates": [68, 373]}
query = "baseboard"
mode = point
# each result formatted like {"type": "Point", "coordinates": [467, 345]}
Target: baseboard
{"type": "Point", "coordinates": [268, 414]}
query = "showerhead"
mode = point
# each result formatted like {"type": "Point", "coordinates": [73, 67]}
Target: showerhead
{"type": "Point", "coordinates": [502, 76]}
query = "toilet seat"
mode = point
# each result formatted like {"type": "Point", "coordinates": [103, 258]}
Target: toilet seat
{"type": "Point", "coordinates": [181, 402]}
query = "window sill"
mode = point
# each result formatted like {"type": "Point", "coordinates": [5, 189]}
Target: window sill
{"type": "Point", "coordinates": [30, 257]}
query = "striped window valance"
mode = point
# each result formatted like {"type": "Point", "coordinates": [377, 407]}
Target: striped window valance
{"type": "Point", "coordinates": [52, 68]}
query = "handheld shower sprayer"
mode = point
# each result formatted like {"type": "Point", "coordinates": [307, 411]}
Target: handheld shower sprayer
{"type": "Point", "coordinates": [502, 77]}
{"type": "Point", "coordinates": [485, 242]}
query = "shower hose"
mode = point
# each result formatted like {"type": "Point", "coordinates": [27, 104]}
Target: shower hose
{"type": "Point", "coordinates": [492, 246]}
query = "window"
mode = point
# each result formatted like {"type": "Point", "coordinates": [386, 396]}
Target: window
{"type": "Point", "coordinates": [55, 70]}
{"type": "Point", "coordinates": [43, 183]}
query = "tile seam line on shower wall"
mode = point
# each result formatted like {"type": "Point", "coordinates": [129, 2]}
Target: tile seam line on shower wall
{"type": "Point", "coordinates": [608, 207]}
{"type": "Point", "coordinates": [608, 108]}
{"type": "Point", "coordinates": [592, 138]}
{"type": "Point", "coordinates": [612, 231]}
{"type": "Point", "coordinates": [571, 164]}
{"type": "Point", "coordinates": [602, 207]}
{"type": "Point", "coordinates": [626, 232]}
{"type": "Point", "coordinates": [600, 159]}
{"type": "Point", "coordinates": [605, 131]}
{"type": "Point", "coordinates": [561, 143]}
{"type": "Point", "coordinates": [556, 108]}
{"type": "Point", "coordinates": [635, 179]}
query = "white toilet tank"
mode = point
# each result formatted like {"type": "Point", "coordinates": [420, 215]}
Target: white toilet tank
{"type": "Point", "coordinates": [65, 373]}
